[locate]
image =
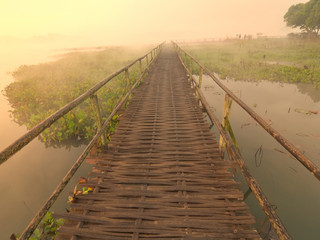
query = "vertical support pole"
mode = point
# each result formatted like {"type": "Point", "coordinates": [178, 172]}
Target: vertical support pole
{"type": "Point", "coordinates": [140, 66]}
{"type": "Point", "coordinates": [200, 83]}
{"type": "Point", "coordinates": [225, 118]}
{"type": "Point", "coordinates": [126, 72]}
{"type": "Point", "coordinates": [200, 77]}
{"type": "Point", "coordinates": [190, 69]}
{"type": "Point", "coordinates": [97, 115]}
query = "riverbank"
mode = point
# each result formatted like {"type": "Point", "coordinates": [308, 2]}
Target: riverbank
{"type": "Point", "coordinates": [29, 177]}
{"type": "Point", "coordinates": [289, 187]}
{"type": "Point", "coordinates": [274, 59]}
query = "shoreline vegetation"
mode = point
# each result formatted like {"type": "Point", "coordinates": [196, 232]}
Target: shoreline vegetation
{"type": "Point", "coordinates": [40, 90]}
{"type": "Point", "coordinates": [289, 60]}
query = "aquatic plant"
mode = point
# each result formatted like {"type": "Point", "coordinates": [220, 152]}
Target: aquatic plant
{"type": "Point", "coordinates": [47, 229]}
{"type": "Point", "coordinates": [40, 90]}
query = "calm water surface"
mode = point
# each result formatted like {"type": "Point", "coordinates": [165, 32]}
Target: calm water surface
{"type": "Point", "coordinates": [293, 191]}
{"type": "Point", "coordinates": [29, 177]}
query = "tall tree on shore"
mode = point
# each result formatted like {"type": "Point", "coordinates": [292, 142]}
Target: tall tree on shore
{"type": "Point", "coordinates": [305, 16]}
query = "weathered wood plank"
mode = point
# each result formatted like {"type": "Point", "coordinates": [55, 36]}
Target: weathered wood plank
{"type": "Point", "coordinates": [162, 176]}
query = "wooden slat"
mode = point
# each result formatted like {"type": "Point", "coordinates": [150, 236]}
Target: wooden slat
{"type": "Point", "coordinates": [162, 176]}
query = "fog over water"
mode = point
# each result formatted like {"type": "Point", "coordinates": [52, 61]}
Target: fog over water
{"type": "Point", "coordinates": [33, 32]}
{"type": "Point", "coordinates": [120, 22]}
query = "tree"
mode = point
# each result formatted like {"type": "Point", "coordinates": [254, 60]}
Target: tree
{"type": "Point", "coordinates": [313, 21]}
{"type": "Point", "coordinates": [305, 16]}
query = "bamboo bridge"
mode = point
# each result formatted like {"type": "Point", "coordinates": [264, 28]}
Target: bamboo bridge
{"type": "Point", "coordinates": [163, 175]}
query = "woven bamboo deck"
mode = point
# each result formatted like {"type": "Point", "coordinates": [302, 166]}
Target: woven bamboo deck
{"type": "Point", "coordinates": [162, 176]}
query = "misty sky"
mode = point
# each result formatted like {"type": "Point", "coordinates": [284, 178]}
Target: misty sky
{"type": "Point", "coordinates": [125, 21]}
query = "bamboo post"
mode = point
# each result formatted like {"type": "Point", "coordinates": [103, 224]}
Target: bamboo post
{"type": "Point", "coordinates": [225, 120]}
{"type": "Point", "coordinates": [140, 66]}
{"type": "Point", "coordinates": [97, 115]}
{"type": "Point", "coordinates": [126, 72]}
{"type": "Point", "coordinates": [199, 84]}
{"type": "Point", "coordinates": [305, 161]}
{"type": "Point", "coordinates": [190, 69]}
{"type": "Point", "coordinates": [247, 194]}
{"type": "Point", "coordinates": [200, 77]}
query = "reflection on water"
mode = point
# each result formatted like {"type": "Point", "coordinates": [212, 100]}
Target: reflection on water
{"type": "Point", "coordinates": [309, 90]}
{"type": "Point", "coordinates": [29, 177]}
{"type": "Point", "coordinates": [292, 190]}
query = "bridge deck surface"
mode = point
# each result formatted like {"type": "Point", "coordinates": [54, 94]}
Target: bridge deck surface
{"type": "Point", "coordinates": [162, 176]}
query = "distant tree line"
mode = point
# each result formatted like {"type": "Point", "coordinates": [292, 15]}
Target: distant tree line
{"type": "Point", "coordinates": [305, 16]}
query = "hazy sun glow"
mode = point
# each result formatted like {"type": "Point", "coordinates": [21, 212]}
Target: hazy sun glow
{"type": "Point", "coordinates": [135, 21]}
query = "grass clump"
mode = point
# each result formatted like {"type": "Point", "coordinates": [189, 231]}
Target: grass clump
{"type": "Point", "coordinates": [282, 60]}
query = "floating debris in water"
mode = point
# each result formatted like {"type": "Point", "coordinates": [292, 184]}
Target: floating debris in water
{"type": "Point", "coordinates": [305, 111]}
{"type": "Point", "coordinates": [258, 156]}
{"type": "Point", "coordinates": [245, 125]}
{"type": "Point", "coordinates": [286, 153]}
{"type": "Point", "coordinates": [208, 87]}
{"type": "Point", "coordinates": [308, 135]}
{"type": "Point", "coordinates": [293, 170]}
{"type": "Point", "coordinates": [302, 135]}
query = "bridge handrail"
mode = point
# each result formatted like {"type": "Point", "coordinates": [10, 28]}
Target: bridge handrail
{"type": "Point", "coordinates": [233, 151]}
{"type": "Point", "coordinates": [39, 128]}
{"type": "Point", "coordinates": [305, 161]}
{"type": "Point", "coordinates": [25, 139]}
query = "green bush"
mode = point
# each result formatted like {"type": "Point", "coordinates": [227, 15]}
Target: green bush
{"type": "Point", "coordinates": [40, 90]}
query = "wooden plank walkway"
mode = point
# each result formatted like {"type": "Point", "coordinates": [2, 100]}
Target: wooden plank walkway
{"type": "Point", "coordinates": [162, 176]}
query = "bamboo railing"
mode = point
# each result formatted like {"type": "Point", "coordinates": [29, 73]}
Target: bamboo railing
{"type": "Point", "coordinates": [38, 129]}
{"type": "Point", "coordinates": [227, 142]}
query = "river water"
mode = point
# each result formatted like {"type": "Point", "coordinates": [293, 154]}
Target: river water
{"type": "Point", "coordinates": [29, 177]}
{"type": "Point", "coordinates": [289, 187]}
